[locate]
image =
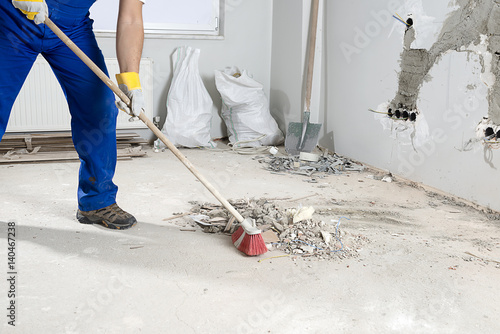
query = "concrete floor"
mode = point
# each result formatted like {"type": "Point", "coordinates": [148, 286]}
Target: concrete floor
{"type": "Point", "coordinates": [413, 276]}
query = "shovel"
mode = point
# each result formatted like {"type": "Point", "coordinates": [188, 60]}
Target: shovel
{"type": "Point", "coordinates": [66, 40]}
{"type": "Point", "coordinates": [303, 137]}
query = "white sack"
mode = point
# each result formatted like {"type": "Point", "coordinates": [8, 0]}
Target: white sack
{"type": "Point", "coordinates": [189, 106]}
{"type": "Point", "coordinates": [245, 110]}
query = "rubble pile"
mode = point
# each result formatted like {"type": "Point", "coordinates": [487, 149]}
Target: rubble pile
{"type": "Point", "coordinates": [327, 164]}
{"type": "Point", "coordinates": [293, 231]}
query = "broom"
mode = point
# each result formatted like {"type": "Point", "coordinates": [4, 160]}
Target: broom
{"type": "Point", "coordinates": [247, 238]}
{"type": "Point", "coordinates": [251, 242]}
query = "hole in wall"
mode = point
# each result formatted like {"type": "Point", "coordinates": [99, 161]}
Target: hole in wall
{"type": "Point", "coordinates": [405, 115]}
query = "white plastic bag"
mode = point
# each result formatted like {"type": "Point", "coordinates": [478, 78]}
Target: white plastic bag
{"type": "Point", "coordinates": [245, 110]}
{"type": "Point", "coordinates": [189, 106]}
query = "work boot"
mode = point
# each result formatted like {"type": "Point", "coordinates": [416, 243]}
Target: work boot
{"type": "Point", "coordinates": [110, 217]}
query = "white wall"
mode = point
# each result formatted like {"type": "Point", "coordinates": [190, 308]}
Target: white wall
{"type": "Point", "coordinates": [287, 60]}
{"type": "Point", "coordinates": [368, 77]}
{"type": "Point", "coordinates": [247, 44]}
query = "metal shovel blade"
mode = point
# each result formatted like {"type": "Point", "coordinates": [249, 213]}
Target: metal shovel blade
{"type": "Point", "coordinates": [302, 137]}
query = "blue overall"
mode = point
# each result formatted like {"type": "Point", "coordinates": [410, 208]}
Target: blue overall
{"type": "Point", "coordinates": [91, 102]}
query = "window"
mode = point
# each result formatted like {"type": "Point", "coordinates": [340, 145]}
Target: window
{"type": "Point", "coordinates": [164, 18]}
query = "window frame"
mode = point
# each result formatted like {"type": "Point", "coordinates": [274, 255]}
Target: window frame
{"type": "Point", "coordinates": [178, 31]}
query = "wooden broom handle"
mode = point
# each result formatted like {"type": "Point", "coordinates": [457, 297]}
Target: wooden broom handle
{"type": "Point", "coordinates": [142, 117]}
{"type": "Point", "coordinates": [312, 51]}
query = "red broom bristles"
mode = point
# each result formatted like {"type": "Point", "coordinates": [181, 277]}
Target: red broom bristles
{"type": "Point", "coordinates": [237, 234]}
{"type": "Point", "coordinates": [250, 244]}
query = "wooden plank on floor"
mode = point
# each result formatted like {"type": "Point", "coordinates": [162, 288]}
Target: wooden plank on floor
{"type": "Point", "coordinates": [59, 147]}
{"type": "Point", "coordinates": [61, 156]}
{"type": "Point", "coordinates": [67, 134]}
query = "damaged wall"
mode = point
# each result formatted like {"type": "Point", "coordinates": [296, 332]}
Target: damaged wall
{"type": "Point", "coordinates": [447, 71]}
{"type": "Point", "coordinates": [474, 26]}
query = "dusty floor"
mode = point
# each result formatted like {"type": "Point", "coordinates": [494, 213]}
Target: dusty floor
{"type": "Point", "coordinates": [413, 276]}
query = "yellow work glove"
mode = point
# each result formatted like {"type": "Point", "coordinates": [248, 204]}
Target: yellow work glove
{"type": "Point", "coordinates": [35, 10]}
{"type": "Point", "coordinates": [130, 84]}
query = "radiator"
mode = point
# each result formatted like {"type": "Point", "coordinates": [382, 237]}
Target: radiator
{"type": "Point", "coordinates": [41, 105]}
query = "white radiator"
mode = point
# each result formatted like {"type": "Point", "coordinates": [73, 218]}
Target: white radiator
{"type": "Point", "coordinates": [41, 105]}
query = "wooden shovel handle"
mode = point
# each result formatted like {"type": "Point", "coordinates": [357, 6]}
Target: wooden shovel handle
{"type": "Point", "coordinates": [142, 117]}
{"type": "Point", "coordinates": [312, 51]}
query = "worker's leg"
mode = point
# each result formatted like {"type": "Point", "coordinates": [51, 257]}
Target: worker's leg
{"type": "Point", "coordinates": [93, 113]}
{"type": "Point", "coordinates": [16, 59]}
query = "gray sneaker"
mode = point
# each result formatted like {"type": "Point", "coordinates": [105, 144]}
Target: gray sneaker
{"type": "Point", "coordinates": [112, 217]}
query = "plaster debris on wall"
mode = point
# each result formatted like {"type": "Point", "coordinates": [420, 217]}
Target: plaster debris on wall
{"type": "Point", "coordinates": [473, 26]}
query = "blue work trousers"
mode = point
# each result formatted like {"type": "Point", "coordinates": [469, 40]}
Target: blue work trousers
{"type": "Point", "coordinates": [91, 102]}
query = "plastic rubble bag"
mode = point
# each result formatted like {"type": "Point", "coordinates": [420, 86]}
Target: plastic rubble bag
{"type": "Point", "coordinates": [245, 110]}
{"type": "Point", "coordinates": [189, 106]}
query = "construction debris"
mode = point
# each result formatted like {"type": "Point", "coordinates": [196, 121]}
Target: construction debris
{"type": "Point", "coordinates": [383, 177]}
{"type": "Point", "coordinates": [301, 214]}
{"type": "Point", "coordinates": [326, 164]}
{"type": "Point", "coordinates": [44, 147]}
{"type": "Point", "coordinates": [293, 231]}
